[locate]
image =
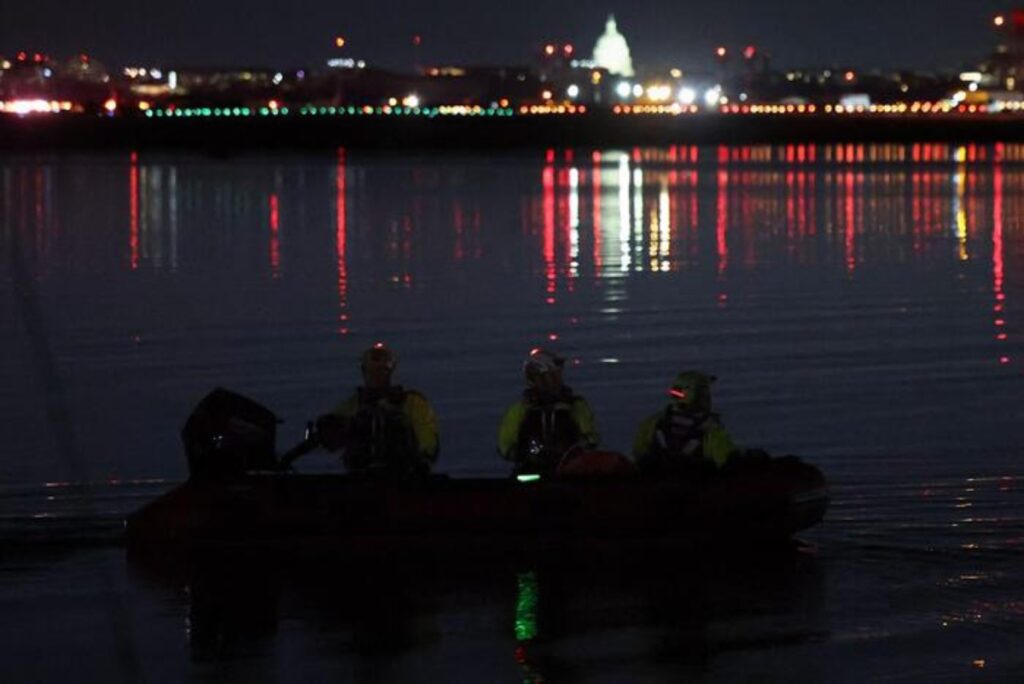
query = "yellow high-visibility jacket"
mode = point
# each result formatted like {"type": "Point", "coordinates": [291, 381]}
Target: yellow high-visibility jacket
{"type": "Point", "coordinates": [570, 419]}
{"type": "Point", "coordinates": [398, 424]}
{"type": "Point", "coordinates": [715, 444]}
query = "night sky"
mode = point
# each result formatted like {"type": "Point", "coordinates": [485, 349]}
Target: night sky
{"type": "Point", "coordinates": [921, 34]}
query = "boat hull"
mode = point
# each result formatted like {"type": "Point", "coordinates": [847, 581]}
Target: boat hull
{"type": "Point", "coordinates": [340, 513]}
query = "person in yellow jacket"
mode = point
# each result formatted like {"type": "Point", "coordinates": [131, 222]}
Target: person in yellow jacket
{"type": "Point", "coordinates": [382, 428]}
{"type": "Point", "coordinates": [548, 422]}
{"type": "Point", "coordinates": [685, 435]}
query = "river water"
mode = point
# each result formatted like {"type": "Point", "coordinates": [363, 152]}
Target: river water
{"type": "Point", "coordinates": [859, 304]}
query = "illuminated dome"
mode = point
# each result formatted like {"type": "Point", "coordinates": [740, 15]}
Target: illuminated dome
{"type": "Point", "coordinates": [612, 52]}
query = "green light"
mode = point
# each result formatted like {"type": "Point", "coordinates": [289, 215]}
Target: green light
{"type": "Point", "coordinates": [149, 114]}
{"type": "Point", "coordinates": [526, 606]}
{"type": "Point", "coordinates": [237, 112]}
{"type": "Point", "coordinates": [284, 111]}
{"type": "Point", "coordinates": [206, 111]}
{"type": "Point", "coordinates": [351, 110]}
{"type": "Point", "coordinates": [333, 110]}
{"type": "Point", "coordinates": [264, 111]}
{"type": "Point", "coordinates": [246, 111]}
{"type": "Point", "coordinates": [528, 477]}
{"type": "Point", "coordinates": [323, 110]}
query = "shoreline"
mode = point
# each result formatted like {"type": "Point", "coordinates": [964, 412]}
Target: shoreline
{"type": "Point", "coordinates": [598, 130]}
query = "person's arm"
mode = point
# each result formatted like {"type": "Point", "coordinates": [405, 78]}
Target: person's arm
{"type": "Point", "coordinates": [332, 428]}
{"type": "Point", "coordinates": [584, 418]}
{"type": "Point", "coordinates": [644, 438]}
{"type": "Point", "coordinates": [718, 446]}
{"type": "Point", "coordinates": [508, 431]}
{"type": "Point", "coordinates": [424, 425]}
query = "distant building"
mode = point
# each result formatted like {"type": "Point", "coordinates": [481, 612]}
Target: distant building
{"type": "Point", "coordinates": [1007, 62]}
{"type": "Point", "coordinates": [612, 52]}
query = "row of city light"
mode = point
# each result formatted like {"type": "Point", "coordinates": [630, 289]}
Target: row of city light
{"type": "Point", "coordinates": [38, 106]}
{"type": "Point", "coordinates": [309, 110]}
{"type": "Point", "coordinates": [552, 109]}
{"type": "Point", "coordinates": [674, 109]}
{"type": "Point", "coordinates": [410, 105]}
{"type": "Point", "coordinates": [901, 108]}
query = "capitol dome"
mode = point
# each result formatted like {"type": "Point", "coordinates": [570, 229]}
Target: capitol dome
{"type": "Point", "coordinates": [612, 52]}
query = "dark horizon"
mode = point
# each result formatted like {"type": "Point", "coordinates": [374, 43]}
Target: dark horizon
{"type": "Point", "coordinates": [893, 34]}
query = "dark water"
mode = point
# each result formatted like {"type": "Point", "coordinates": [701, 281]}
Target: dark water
{"type": "Point", "coordinates": [859, 304]}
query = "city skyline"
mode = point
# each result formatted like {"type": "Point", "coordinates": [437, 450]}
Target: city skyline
{"type": "Point", "coordinates": [871, 34]}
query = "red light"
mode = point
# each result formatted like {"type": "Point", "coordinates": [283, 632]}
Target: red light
{"type": "Point", "coordinates": [416, 40]}
{"type": "Point", "coordinates": [22, 56]}
{"type": "Point", "coordinates": [677, 393]}
{"type": "Point", "coordinates": [567, 49]}
{"type": "Point", "coordinates": [37, 58]}
{"type": "Point", "coordinates": [749, 52]}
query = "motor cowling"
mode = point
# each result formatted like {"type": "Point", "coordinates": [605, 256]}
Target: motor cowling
{"type": "Point", "coordinates": [229, 435]}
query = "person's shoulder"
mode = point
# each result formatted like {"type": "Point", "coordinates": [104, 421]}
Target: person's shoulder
{"type": "Point", "coordinates": [520, 405]}
{"type": "Point", "coordinates": [579, 399]}
{"type": "Point", "coordinates": [415, 396]}
{"type": "Point", "coordinates": [349, 404]}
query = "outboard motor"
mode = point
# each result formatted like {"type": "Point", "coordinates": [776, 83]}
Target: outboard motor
{"type": "Point", "coordinates": [229, 435]}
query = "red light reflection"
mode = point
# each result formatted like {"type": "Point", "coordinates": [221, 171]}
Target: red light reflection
{"type": "Point", "coordinates": [133, 211]}
{"type": "Point", "coordinates": [341, 235]}
{"type": "Point", "coordinates": [722, 218]}
{"type": "Point", "coordinates": [596, 213]}
{"type": "Point", "coordinates": [548, 248]}
{"type": "Point", "coordinates": [275, 239]}
{"type": "Point", "coordinates": [998, 253]}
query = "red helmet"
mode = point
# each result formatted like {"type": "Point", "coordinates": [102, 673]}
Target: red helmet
{"type": "Point", "coordinates": [380, 354]}
{"type": "Point", "coordinates": [541, 362]}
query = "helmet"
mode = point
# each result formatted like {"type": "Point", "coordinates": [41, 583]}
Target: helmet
{"type": "Point", "coordinates": [541, 362]}
{"type": "Point", "coordinates": [379, 355]}
{"type": "Point", "coordinates": [692, 389]}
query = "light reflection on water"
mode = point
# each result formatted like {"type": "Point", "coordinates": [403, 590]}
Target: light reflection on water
{"type": "Point", "coordinates": [859, 304]}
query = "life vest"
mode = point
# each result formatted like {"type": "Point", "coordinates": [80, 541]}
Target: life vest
{"type": "Point", "coordinates": [680, 434]}
{"type": "Point", "coordinates": [380, 436]}
{"type": "Point", "coordinates": [548, 430]}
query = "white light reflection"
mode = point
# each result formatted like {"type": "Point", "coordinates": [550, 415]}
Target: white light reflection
{"type": "Point", "coordinates": [638, 216]}
{"type": "Point", "coordinates": [664, 229]}
{"type": "Point", "coordinates": [574, 222]}
{"type": "Point", "coordinates": [959, 206]}
{"type": "Point", "coordinates": [624, 179]}
{"type": "Point", "coordinates": [172, 215]}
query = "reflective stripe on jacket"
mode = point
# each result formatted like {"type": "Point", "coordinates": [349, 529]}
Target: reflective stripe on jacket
{"type": "Point", "coordinates": [682, 436]}
{"type": "Point", "coordinates": [396, 429]}
{"type": "Point", "coordinates": [537, 433]}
